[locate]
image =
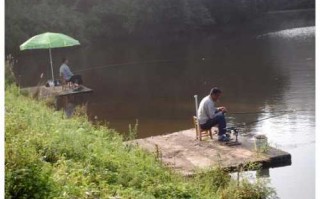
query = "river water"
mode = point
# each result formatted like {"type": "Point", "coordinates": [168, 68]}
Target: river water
{"type": "Point", "coordinates": [268, 73]}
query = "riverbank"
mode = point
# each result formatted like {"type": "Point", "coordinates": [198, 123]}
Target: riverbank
{"type": "Point", "coordinates": [50, 156]}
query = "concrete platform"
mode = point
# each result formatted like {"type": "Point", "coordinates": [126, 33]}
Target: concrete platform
{"type": "Point", "coordinates": [74, 91]}
{"type": "Point", "coordinates": [43, 92]}
{"type": "Point", "coordinates": [182, 152]}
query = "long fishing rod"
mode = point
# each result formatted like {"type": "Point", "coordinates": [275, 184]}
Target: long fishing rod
{"type": "Point", "coordinates": [134, 63]}
{"type": "Point", "coordinates": [257, 112]}
{"type": "Point", "coordinates": [127, 64]}
{"type": "Point", "coordinates": [259, 120]}
{"type": "Point", "coordinates": [237, 127]}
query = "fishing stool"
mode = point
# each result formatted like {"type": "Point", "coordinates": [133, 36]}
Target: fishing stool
{"type": "Point", "coordinates": [201, 132]}
{"type": "Point", "coordinates": [65, 84]}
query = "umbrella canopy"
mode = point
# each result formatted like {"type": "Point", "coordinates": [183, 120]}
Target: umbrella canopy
{"type": "Point", "coordinates": [49, 40]}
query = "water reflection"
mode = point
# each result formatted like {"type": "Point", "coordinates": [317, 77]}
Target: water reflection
{"type": "Point", "coordinates": [294, 33]}
{"type": "Point", "coordinates": [294, 131]}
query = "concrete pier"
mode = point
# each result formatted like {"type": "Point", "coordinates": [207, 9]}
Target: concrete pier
{"type": "Point", "coordinates": [183, 153]}
{"type": "Point", "coordinates": [43, 92]}
{"type": "Point", "coordinates": [61, 98]}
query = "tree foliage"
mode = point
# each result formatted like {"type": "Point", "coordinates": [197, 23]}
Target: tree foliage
{"type": "Point", "coordinates": [91, 20]}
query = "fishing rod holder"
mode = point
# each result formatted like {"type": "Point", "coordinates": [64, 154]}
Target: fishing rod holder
{"type": "Point", "coordinates": [234, 131]}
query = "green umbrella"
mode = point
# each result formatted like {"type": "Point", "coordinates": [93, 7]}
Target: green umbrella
{"type": "Point", "coordinates": [49, 40]}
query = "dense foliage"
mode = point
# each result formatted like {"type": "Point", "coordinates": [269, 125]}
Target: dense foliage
{"type": "Point", "coordinates": [48, 156]}
{"type": "Point", "coordinates": [91, 20]}
{"type": "Point", "coordinates": [10, 77]}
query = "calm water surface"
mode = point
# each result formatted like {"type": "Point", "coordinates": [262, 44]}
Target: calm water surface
{"type": "Point", "coordinates": [154, 83]}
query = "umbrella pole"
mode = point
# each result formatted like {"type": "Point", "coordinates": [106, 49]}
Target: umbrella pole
{"type": "Point", "coordinates": [51, 65]}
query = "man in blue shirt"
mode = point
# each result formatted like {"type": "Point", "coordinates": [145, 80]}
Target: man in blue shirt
{"type": "Point", "coordinates": [209, 115]}
{"type": "Point", "coordinates": [67, 75]}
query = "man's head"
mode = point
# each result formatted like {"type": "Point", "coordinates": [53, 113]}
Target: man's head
{"type": "Point", "coordinates": [215, 93]}
{"type": "Point", "coordinates": [65, 60]}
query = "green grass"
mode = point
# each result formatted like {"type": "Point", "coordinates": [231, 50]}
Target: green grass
{"type": "Point", "coordinates": [49, 156]}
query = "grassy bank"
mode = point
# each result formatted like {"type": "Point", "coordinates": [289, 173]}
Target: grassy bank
{"type": "Point", "coordinates": [49, 156]}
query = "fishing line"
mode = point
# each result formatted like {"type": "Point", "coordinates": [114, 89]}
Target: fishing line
{"type": "Point", "coordinates": [144, 62]}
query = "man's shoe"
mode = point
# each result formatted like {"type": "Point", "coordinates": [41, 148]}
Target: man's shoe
{"type": "Point", "coordinates": [223, 138]}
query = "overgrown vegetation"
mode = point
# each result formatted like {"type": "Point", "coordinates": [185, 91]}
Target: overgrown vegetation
{"type": "Point", "coordinates": [96, 20]}
{"type": "Point", "coordinates": [49, 156]}
{"type": "Point", "coordinates": [10, 77]}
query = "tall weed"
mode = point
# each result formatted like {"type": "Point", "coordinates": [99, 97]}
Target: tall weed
{"type": "Point", "coordinates": [10, 77]}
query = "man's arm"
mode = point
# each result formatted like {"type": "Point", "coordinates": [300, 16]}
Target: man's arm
{"type": "Point", "coordinates": [211, 109]}
{"type": "Point", "coordinates": [222, 109]}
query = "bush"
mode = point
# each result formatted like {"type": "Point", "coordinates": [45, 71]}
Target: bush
{"type": "Point", "coordinates": [28, 182]}
{"type": "Point", "coordinates": [9, 74]}
{"type": "Point", "coordinates": [247, 190]}
{"type": "Point", "coordinates": [26, 176]}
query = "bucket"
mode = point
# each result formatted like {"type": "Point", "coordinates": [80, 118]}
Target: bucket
{"type": "Point", "coordinates": [260, 143]}
{"type": "Point", "coordinates": [51, 83]}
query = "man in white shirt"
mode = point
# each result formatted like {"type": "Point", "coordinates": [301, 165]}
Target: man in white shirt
{"type": "Point", "coordinates": [67, 75]}
{"type": "Point", "coordinates": [209, 115]}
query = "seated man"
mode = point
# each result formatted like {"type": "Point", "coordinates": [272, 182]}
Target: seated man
{"type": "Point", "coordinates": [209, 116]}
{"type": "Point", "coordinates": [67, 75]}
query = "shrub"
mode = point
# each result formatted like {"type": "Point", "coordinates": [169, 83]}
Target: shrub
{"type": "Point", "coordinates": [9, 74]}
{"type": "Point", "coordinates": [247, 190]}
{"type": "Point", "coordinates": [26, 176]}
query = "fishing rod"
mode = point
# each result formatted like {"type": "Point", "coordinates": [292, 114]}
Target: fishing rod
{"type": "Point", "coordinates": [135, 63]}
{"type": "Point", "coordinates": [244, 124]}
{"type": "Point", "coordinates": [235, 129]}
{"type": "Point", "coordinates": [128, 63]}
{"type": "Point", "coordinates": [202, 59]}
{"type": "Point", "coordinates": [259, 120]}
{"type": "Point", "coordinates": [257, 112]}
